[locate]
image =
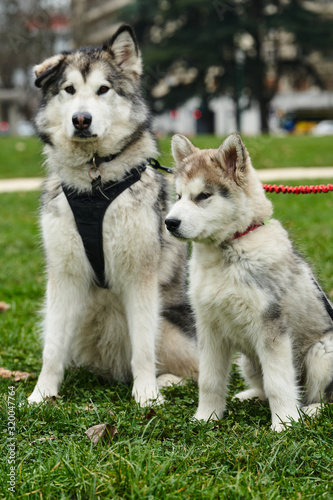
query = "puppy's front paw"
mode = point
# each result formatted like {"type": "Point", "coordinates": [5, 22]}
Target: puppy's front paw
{"type": "Point", "coordinates": [147, 396]}
{"type": "Point", "coordinates": [205, 415]}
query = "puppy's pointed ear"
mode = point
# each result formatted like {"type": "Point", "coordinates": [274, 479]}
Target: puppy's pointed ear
{"type": "Point", "coordinates": [181, 147]}
{"type": "Point", "coordinates": [232, 155]}
{"type": "Point", "coordinates": [47, 69]}
{"type": "Point", "coordinates": [124, 49]}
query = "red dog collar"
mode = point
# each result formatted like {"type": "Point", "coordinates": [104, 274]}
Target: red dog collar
{"type": "Point", "coordinates": [249, 229]}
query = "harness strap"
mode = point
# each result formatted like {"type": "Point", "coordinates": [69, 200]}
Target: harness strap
{"type": "Point", "coordinates": [103, 159]}
{"type": "Point", "coordinates": [327, 304]}
{"type": "Point", "coordinates": [89, 210]}
{"type": "Point", "coordinates": [134, 137]}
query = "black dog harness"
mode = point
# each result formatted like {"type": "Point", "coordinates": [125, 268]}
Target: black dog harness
{"type": "Point", "coordinates": [89, 210]}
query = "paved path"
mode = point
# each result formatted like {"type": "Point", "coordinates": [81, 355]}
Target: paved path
{"type": "Point", "coordinates": [276, 174]}
{"type": "Point", "coordinates": [14, 185]}
{"type": "Point", "coordinates": [266, 175]}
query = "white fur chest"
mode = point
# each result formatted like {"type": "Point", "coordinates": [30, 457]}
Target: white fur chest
{"type": "Point", "coordinates": [225, 294]}
{"type": "Point", "coordinates": [129, 240]}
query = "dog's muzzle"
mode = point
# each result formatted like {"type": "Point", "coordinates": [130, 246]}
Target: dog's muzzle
{"type": "Point", "coordinates": [172, 225]}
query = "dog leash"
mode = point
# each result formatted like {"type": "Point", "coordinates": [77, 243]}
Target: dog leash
{"type": "Point", "coordinates": [157, 166]}
{"type": "Point", "coordinates": [297, 189]}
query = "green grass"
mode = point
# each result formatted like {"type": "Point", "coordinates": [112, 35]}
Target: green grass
{"type": "Point", "coordinates": [21, 157]}
{"type": "Point", "coordinates": [166, 456]}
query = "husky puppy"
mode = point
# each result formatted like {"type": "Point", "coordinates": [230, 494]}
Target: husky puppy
{"type": "Point", "coordinates": [250, 290]}
{"type": "Point", "coordinates": [118, 306]}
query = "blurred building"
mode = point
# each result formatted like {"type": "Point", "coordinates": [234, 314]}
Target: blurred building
{"type": "Point", "coordinates": [18, 104]}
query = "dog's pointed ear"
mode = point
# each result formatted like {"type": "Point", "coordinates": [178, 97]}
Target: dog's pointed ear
{"type": "Point", "coordinates": [47, 69]}
{"type": "Point", "coordinates": [181, 147]}
{"type": "Point", "coordinates": [124, 49]}
{"type": "Point", "coordinates": [232, 155]}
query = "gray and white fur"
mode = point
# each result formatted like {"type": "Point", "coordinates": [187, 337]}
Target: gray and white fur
{"type": "Point", "coordinates": [251, 292]}
{"type": "Point", "coordinates": [92, 105]}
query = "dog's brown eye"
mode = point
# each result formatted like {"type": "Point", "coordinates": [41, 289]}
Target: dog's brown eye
{"type": "Point", "coordinates": [103, 90]}
{"type": "Point", "coordinates": [202, 196]}
{"type": "Point", "coordinates": [70, 89]}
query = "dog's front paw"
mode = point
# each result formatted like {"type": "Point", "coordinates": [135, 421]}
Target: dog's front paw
{"type": "Point", "coordinates": [313, 409]}
{"type": "Point", "coordinates": [154, 400]}
{"type": "Point", "coordinates": [38, 395]}
{"type": "Point", "coordinates": [35, 399]}
{"type": "Point", "coordinates": [147, 396]}
{"type": "Point", "coordinates": [205, 415]}
{"type": "Point", "coordinates": [282, 424]}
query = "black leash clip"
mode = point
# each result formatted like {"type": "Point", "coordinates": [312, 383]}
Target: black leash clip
{"type": "Point", "coordinates": [156, 164]}
{"type": "Point", "coordinates": [96, 183]}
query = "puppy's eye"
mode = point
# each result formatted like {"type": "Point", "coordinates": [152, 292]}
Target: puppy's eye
{"type": "Point", "coordinates": [202, 197]}
{"type": "Point", "coordinates": [178, 196]}
{"type": "Point", "coordinates": [70, 89]}
{"type": "Point", "coordinates": [102, 90]}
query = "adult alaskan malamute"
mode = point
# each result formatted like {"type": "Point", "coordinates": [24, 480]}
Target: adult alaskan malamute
{"type": "Point", "coordinates": [116, 296]}
{"type": "Point", "coordinates": [250, 290]}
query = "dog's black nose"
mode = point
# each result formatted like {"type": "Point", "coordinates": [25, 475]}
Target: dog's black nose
{"type": "Point", "coordinates": [82, 121]}
{"type": "Point", "coordinates": [172, 224]}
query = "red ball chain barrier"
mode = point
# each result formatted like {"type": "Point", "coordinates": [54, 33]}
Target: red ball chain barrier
{"type": "Point", "coordinates": [297, 189]}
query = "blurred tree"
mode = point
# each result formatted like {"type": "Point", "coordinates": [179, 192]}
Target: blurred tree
{"type": "Point", "coordinates": [195, 47]}
{"type": "Point", "coordinates": [26, 37]}
{"type": "Point", "coordinates": [185, 51]}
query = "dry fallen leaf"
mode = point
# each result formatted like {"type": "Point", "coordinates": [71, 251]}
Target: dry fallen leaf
{"type": "Point", "coordinates": [21, 375]}
{"type": "Point", "coordinates": [150, 414]}
{"type": "Point", "coordinates": [17, 375]}
{"type": "Point", "coordinates": [89, 407]}
{"type": "Point", "coordinates": [5, 373]}
{"type": "Point", "coordinates": [101, 433]}
{"type": "Point", "coordinates": [4, 306]}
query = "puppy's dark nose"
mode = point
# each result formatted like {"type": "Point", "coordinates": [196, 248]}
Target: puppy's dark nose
{"type": "Point", "coordinates": [172, 224]}
{"type": "Point", "coordinates": [81, 121]}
